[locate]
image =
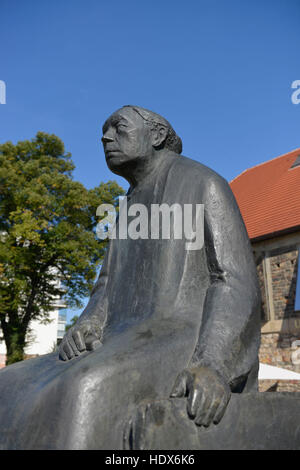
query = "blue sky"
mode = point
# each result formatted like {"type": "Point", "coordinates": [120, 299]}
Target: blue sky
{"type": "Point", "coordinates": [219, 71]}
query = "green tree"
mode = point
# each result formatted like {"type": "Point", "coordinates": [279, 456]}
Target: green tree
{"type": "Point", "coordinates": [72, 322]}
{"type": "Point", "coordinates": [47, 233]}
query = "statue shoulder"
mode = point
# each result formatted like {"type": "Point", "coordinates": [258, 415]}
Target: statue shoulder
{"type": "Point", "coordinates": [196, 172]}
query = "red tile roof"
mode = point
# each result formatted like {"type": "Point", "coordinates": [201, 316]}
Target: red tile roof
{"type": "Point", "coordinates": [269, 196]}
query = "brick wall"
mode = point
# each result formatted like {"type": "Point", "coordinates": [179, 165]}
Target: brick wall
{"type": "Point", "coordinates": [260, 273]}
{"type": "Point", "coordinates": [276, 350]}
{"type": "Point", "coordinates": [279, 386]}
{"type": "Point", "coordinates": [284, 276]}
{"type": "Point", "coordinates": [276, 346]}
{"type": "Point", "coordinates": [283, 270]}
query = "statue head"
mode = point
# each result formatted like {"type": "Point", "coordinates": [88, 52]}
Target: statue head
{"type": "Point", "coordinates": [132, 134]}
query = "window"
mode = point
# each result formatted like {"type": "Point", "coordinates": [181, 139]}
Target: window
{"type": "Point", "coordinates": [297, 299]}
{"type": "Point", "coordinates": [61, 325]}
{"type": "Point", "coordinates": [296, 162]}
{"type": "Point", "coordinates": [62, 315]}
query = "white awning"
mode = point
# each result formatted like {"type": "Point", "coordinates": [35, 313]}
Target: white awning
{"type": "Point", "coordinates": [267, 372]}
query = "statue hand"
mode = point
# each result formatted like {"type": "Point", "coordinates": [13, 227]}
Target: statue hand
{"type": "Point", "coordinates": [84, 335]}
{"type": "Point", "coordinates": [207, 394]}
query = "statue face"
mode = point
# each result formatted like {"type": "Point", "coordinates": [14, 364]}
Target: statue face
{"type": "Point", "coordinates": [126, 139]}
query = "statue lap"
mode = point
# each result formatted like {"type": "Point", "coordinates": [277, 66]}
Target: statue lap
{"type": "Point", "coordinates": [85, 403]}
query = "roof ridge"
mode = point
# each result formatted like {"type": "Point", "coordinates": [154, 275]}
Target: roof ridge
{"type": "Point", "coordinates": [264, 163]}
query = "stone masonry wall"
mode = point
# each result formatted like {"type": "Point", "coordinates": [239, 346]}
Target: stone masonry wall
{"type": "Point", "coordinates": [284, 267]}
{"type": "Point", "coordinates": [260, 273]}
{"type": "Point", "coordinates": [279, 386]}
{"type": "Point", "coordinates": [276, 348]}
{"type": "Point", "coordinates": [284, 277]}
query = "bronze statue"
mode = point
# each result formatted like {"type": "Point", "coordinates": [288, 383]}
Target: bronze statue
{"type": "Point", "coordinates": [161, 321]}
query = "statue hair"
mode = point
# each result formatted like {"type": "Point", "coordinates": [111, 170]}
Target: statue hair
{"type": "Point", "coordinates": [173, 141]}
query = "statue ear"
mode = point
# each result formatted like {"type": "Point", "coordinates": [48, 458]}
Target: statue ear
{"type": "Point", "coordinates": [159, 135]}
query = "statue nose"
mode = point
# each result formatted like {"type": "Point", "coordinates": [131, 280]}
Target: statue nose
{"type": "Point", "coordinates": [105, 139]}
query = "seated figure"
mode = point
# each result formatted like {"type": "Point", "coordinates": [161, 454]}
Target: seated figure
{"type": "Point", "coordinates": [162, 320]}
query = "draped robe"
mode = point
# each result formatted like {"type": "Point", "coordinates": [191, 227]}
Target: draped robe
{"type": "Point", "coordinates": [162, 308]}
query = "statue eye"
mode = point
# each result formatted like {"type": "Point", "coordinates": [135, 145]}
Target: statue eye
{"type": "Point", "coordinates": [120, 126]}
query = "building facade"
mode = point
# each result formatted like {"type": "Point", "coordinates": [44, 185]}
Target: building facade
{"type": "Point", "coordinates": [269, 199]}
{"type": "Point", "coordinates": [43, 337]}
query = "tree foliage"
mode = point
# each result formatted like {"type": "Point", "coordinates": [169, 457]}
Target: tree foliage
{"type": "Point", "coordinates": [47, 234]}
{"type": "Point", "coordinates": [72, 322]}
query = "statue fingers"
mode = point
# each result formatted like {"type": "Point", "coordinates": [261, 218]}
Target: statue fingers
{"type": "Point", "coordinates": [68, 350]}
{"type": "Point", "coordinates": [206, 415]}
{"type": "Point", "coordinates": [195, 402]}
{"type": "Point", "coordinates": [73, 345]}
{"type": "Point", "coordinates": [133, 437]}
{"type": "Point", "coordinates": [62, 353]}
{"type": "Point", "coordinates": [92, 342]}
{"type": "Point", "coordinates": [78, 340]}
{"type": "Point", "coordinates": [127, 435]}
{"type": "Point", "coordinates": [221, 408]}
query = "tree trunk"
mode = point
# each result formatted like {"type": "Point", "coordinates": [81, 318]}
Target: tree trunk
{"type": "Point", "coordinates": [15, 329]}
{"type": "Point", "coordinates": [14, 337]}
{"type": "Point", "coordinates": [15, 350]}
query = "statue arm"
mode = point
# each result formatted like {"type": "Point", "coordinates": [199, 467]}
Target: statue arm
{"type": "Point", "coordinates": [95, 310]}
{"type": "Point", "coordinates": [227, 348]}
{"type": "Point", "coordinates": [229, 334]}
{"type": "Point", "coordinates": [87, 332]}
